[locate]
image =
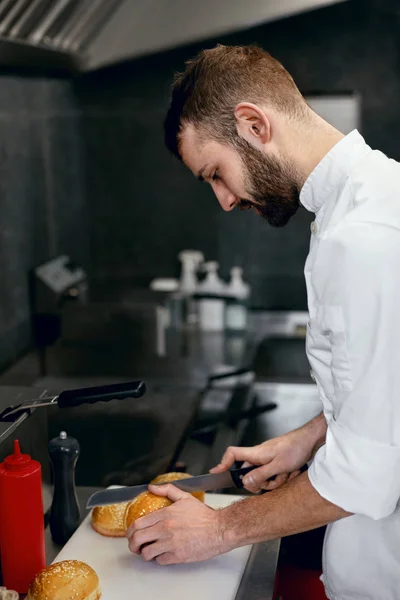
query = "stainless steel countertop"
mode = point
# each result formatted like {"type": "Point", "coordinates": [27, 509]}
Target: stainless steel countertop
{"type": "Point", "coordinates": [258, 579]}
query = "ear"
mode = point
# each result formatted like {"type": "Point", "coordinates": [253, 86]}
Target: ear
{"type": "Point", "coordinates": [252, 123]}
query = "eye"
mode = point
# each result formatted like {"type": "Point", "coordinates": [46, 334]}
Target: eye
{"type": "Point", "coordinates": [215, 176]}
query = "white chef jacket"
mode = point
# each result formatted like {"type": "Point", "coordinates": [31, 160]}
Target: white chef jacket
{"type": "Point", "coordinates": [353, 345]}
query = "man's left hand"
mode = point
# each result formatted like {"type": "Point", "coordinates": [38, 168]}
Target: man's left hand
{"type": "Point", "coordinates": [187, 531]}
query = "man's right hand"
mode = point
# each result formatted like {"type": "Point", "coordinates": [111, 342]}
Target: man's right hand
{"type": "Point", "coordinates": [281, 457]}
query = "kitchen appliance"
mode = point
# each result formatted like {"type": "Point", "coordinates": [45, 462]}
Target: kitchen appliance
{"type": "Point", "coordinates": [54, 284]}
{"type": "Point", "coordinates": [228, 479]}
{"type": "Point", "coordinates": [73, 398]}
{"type": "Point", "coordinates": [125, 576]}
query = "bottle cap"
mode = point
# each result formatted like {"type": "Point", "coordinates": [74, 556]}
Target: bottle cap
{"type": "Point", "coordinates": [17, 461]}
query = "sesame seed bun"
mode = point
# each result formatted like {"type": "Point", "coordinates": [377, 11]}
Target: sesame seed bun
{"type": "Point", "coordinates": [109, 520]}
{"type": "Point", "coordinates": [65, 580]}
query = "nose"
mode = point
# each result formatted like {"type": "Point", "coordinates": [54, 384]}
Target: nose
{"type": "Point", "coordinates": [226, 199]}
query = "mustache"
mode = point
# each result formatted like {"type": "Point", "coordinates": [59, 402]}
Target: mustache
{"type": "Point", "coordinates": [244, 204]}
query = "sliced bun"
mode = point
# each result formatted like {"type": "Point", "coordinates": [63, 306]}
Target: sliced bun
{"type": "Point", "coordinates": [168, 477]}
{"type": "Point", "coordinates": [65, 580]}
{"type": "Point", "coordinates": [109, 520]}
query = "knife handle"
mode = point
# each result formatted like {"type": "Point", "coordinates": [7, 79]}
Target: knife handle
{"type": "Point", "coordinates": [238, 474]}
{"type": "Point", "coordinates": [103, 393]}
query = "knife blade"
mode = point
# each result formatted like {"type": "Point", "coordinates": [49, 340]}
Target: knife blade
{"type": "Point", "coordinates": [204, 483]}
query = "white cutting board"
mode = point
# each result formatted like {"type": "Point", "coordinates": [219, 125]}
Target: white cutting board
{"type": "Point", "coordinates": [124, 576]}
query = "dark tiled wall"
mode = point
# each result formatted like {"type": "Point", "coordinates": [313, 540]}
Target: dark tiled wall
{"type": "Point", "coordinates": [41, 193]}
{"type": "Point", "coordinates": [145, 206]}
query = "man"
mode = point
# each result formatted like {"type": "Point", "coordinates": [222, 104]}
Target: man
{"type": "Point", "coordinates": [238, 121]}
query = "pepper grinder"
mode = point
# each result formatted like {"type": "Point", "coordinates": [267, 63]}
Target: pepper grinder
{"type": "Point", "coordinates": [64, 512]}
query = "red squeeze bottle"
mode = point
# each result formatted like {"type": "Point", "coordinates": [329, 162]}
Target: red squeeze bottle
{"type": "Point", "coordinates": [22, 543]}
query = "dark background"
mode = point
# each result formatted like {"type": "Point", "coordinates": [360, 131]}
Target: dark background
{"type": "Point", "coordinates": [84, 170]}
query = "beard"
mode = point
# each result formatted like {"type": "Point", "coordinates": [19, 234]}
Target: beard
{"type": "Point", "coordinates": [270, 184]}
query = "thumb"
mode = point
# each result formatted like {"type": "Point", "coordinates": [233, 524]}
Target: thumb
{"type": "Point", "coordinates": [169, 491]}
{"type": "Point", "coordinates": [233, 454]}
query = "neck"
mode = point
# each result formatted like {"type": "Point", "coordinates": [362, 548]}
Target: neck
{"type": "Point", "coordinates": [307, 146]}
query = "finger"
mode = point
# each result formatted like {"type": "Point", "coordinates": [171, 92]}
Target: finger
{"type": "Point", "coordinates": [275, 483]}
{"type": "Point", "coordinates": [167, 558]}
{"type": "Point", "coordinates": [294, 474]}
{"type": "Point", "coordinates": [153, 550]}
{"type": "Point", "coordinates": [257, 477]}
{"type": "Point", "coordinates": [144, 536]}
{"type": "Point", "coordinates": [134, 548]}
{"type": "Point", "coordinates": [233, 454]}
{"type": "Point", "coordinates": [146, 521]}
{"type": "Point", "coordinates": [169, 491]}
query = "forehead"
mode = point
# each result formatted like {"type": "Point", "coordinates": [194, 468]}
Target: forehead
{"type": "Point", "coordinates": [198, 151]}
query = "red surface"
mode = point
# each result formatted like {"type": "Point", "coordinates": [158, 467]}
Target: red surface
{"type": "Point", "coordinates": [299, 584]}
{"type": "Point", "coordinates": [21, 520]}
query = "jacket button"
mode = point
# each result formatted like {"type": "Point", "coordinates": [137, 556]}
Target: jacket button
{"type": "Point", "coordinates": [312, 376]}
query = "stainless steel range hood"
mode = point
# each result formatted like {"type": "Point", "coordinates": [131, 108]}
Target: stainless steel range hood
{"type": "Point", "coordinates": [51, 33]}
{"type": "Point", "coordinates": [90, 34]}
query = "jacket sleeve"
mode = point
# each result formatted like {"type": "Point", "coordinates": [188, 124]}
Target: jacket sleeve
{"type": "Point", "coordinates": [358, 468]}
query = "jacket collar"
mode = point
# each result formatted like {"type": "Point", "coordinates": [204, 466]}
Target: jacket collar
{"type": "Point", "coordinates": [331, 170]}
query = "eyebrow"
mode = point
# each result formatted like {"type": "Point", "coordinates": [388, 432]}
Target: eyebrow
{"type": "Point", "coordinates": [200, 174]}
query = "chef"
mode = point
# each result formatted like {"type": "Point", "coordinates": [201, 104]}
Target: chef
{"type": "Point", "coordinates": [239, 123]}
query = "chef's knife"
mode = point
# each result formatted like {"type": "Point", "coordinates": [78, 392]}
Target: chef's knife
{"type": "Point", "coordinates": [201, 483]}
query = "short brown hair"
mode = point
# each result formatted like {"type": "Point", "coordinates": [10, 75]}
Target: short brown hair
{"type": "Point", "coordinates": [216, 80]}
